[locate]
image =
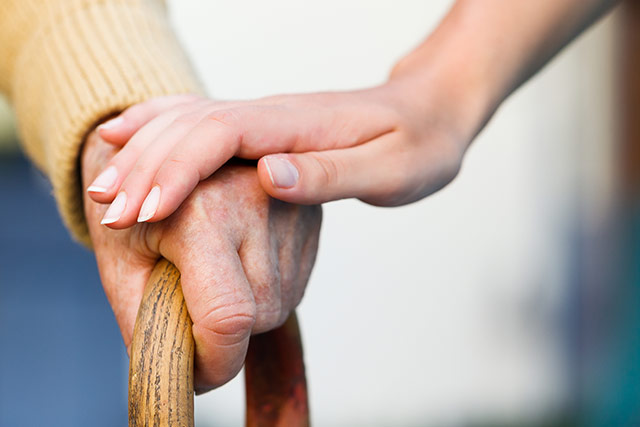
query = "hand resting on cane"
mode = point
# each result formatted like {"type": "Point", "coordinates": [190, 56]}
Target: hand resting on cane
{"type": "Point", "coordinates": [245, 260]}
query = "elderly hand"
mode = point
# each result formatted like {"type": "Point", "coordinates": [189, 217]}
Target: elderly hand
{"type": "Point", "coordinates": [245, 261]}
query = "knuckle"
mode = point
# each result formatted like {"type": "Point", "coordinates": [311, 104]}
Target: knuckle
{"type": "Point", "coordinates": [227, 117]}
{"type": "Point", "coordinates": [331, 170]}
{"type": "Point", "coordinates": [227, 124]}
{"type": "Point", "coordinates": [232, 322]}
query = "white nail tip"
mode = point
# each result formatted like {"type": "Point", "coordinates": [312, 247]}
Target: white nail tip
{"type": "Point", "coordinates": [150, 205]}
{"type": "Point", "coordinates": [115, 210]}
{"type": "Point", "coordinates": [104, 181]}
{"type": "Point", "coordinates": [96, 189]}
{"type": "Point", "coordinates": [266, 163]}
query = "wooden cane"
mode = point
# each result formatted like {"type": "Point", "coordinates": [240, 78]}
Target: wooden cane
{"type": "Point", "coordinates": [161, 365]}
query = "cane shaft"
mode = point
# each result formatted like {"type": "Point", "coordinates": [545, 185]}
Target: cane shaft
{"type": "Point", "coordinates": [161, 366]}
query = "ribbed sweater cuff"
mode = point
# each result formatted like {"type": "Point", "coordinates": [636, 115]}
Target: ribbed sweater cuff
{"type": "Point", "coordinates": [81, 67]}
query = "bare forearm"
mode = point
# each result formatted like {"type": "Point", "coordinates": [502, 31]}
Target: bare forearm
{"type": "Point", "coordinates": [387, 145]}
{"type": "Point", "coordinates": [485, 49]}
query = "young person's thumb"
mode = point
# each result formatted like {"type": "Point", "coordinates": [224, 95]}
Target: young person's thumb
{"type": "Point", "coordinates": [322, 176]}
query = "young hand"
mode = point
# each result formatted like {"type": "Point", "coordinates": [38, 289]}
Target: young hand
{"type": "Point", "coordinates": [381, 145]}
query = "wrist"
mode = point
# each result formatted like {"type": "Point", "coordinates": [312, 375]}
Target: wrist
{"type": "Point", "coordinates": [441, 95]}
{"type": "Point", "coordinates": [454, 74]}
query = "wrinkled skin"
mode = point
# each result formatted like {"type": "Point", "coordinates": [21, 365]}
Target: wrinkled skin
{"type": "Point", "coordinates": [245, 260]}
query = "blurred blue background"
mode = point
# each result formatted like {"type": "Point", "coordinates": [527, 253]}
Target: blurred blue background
{"type": "Point", "coordinates": [62, 361]}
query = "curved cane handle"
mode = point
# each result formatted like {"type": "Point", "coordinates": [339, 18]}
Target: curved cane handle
{"type": "Point", "coordinates": [161, 366]}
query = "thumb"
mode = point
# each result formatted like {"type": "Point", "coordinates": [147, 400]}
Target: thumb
{"type": "Point", "coordinates": [370, 172]}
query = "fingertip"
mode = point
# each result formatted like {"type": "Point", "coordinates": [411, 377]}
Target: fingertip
{"type": "Point", "coordinates": [150, 205]}
{"type": "Point", "coordinates": [320, 176]}
{"type": "Point", "coordinates": [175, 182]}
{"type": "Point", "coordinates": [264, 176]}
{"type": "Point", "coordinates": [94, 189]}
{"type": "Point", "coordinates": [122, 212]}
{"type": "Point", "coordinates": [282, 172]}
{"type": "Point", "coordinates": [119, 224]}
{"type": "Point", "coordinates": [102, 187]}
{"type": "Point", "coordinates": [114, 131]}
{"type": "Point", "coordinates": [96, 192]}
{"type": "Point", "coordinates": [115, 138]}
{"type": "Point", "coordinates": [99, 196]}
{"type": "Point", "coordinates": [112, 124]}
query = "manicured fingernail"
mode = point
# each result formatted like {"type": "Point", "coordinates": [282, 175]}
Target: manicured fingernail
{"type": "Point", "coordinates": [150, 205]}
{"type": "Point", "coordinates": [282, 172]}
{"type": "Point", "coordinates": [115, 210]}
{"type": "Point", "coordinates": [111, 124]}
{"type": "Point", "coordinates": [104, 181]}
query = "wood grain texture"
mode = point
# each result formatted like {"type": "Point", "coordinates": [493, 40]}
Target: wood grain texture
{"type": "Point", "coordinates": [161, 365]}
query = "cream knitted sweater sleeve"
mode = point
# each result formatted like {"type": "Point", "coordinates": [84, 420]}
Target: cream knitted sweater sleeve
{"type": "Point", "coordinates": [67, 64]}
